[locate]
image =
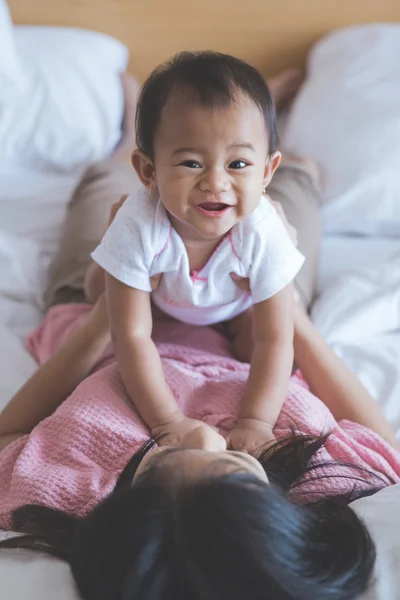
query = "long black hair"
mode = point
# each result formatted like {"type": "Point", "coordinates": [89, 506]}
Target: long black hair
{"type": "Point", "coordinates": [230, 537]}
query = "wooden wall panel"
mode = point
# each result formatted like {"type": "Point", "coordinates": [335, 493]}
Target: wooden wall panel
{"type": "Point", "coordinates": [270, 34]}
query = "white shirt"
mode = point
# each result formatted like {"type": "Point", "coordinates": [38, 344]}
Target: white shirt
{"type": "Point", "coordinates": [141, 242]}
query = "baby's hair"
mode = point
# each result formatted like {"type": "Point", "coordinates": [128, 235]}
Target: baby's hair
{"type": "Point", "coordinates": [215, 79]}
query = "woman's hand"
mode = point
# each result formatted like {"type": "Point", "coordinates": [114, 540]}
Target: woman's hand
{"type": "Point", "coordinates": [249, 435]}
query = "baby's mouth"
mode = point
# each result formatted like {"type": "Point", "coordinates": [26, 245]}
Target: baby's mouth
{"type": "Point", "coordinates": [213, 207]}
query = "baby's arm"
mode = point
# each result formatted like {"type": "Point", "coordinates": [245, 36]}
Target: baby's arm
{"type": "Point", "coordinates": [271, 366]}
{"type": "Point", "coordinates": [140, 364]}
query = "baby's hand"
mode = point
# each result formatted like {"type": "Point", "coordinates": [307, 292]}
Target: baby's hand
{"type": "Point", "coordinates": [249, 435]}
{"type": "Point", "coordinates": [172, 434]}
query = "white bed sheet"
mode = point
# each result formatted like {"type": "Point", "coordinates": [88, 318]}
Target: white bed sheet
{"type": "Point", "coordinates": [32, 208]}
{"type": "Point", "coordinates": [358, 310]}
{"type": "Point", "coordinates": [343, 254]}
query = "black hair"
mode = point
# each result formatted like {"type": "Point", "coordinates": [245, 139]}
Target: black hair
{"type": "Point", "coordinates": [231, 537]}
{"type": "Point", "coordinates": [215, 79]}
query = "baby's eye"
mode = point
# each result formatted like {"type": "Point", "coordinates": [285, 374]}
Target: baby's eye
{"type": "Point", "coordinates": [191, 164]}
{"type": "Point", "coordinates": [237, 164]}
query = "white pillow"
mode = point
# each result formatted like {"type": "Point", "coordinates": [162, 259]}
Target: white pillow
{"type": "Point", "coordinates": [11, 75]}
{"type": "Point", "coordinates": [347, 117]}
{"type": "Point", "coordinates": [71, 109]}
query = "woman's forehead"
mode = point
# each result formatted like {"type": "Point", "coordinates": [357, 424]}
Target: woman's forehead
{"type": "Point", "coordinates": [195, 463]}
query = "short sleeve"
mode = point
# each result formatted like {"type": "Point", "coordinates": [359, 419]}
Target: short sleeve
{"type": "Point", "coordinates": [125, 252]}
{"type": "Point", "coordinates": [275, 261]}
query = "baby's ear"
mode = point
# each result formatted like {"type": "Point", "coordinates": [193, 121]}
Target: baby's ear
{"type": "Point", "coordinates": [144, 169]}
{"type": "Point", "coordinates": [271, 166]}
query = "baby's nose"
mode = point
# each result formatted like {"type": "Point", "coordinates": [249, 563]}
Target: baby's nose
{"type": "Point", "coordinates": [215, 181]}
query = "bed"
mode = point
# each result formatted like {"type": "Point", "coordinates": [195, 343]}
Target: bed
{"type": "Point", "coordinates": [358, 304]}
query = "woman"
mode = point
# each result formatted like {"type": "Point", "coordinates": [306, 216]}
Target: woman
{"type": "Point", "coordinates": [200, 521]}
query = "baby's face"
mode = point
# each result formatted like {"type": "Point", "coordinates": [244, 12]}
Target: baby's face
{"type": "Point", "coordinates": [211, 165]}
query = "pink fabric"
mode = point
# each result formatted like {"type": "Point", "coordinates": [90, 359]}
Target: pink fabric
{"type": "Point", "coordinates": [72, 459]}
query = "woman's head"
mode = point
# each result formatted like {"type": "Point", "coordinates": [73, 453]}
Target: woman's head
{"type": "Point", "coordinates": [228, 534]}
{"type": "Point", "coordinates": [203, 451]}
{"type": "Point", "coordinates": [207, 140]}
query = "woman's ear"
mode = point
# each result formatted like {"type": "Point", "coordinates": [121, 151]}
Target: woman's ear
{"type": "Point", "coordinates": [271, 166]}
{"type": "Point", "coordinates": [144, 169]}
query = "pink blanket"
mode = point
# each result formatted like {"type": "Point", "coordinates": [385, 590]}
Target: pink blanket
{"type": "Point", "coordinates": [72, 459]}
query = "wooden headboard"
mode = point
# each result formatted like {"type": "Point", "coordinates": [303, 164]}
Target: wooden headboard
{"type": "Point", "coordinates": [270, 34]}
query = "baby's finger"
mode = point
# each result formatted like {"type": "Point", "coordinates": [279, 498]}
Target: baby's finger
{"type": "Point", "coordinates": [228, 441]}
{"type": "Point", "coordinates": [243, 283]}
{"type": "Point", "coordinates": [164, 441]}
{"type": "Point", "coordinates": [169, 440]}
{"type": "Point", "coordinates": [235, 443]}
{"type": "Point", "coordinates": [155, 281]}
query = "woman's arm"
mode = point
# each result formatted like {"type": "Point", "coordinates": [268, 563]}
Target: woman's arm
{"type": "Point", "coordinates": [56, 379]}
{"type": "Point", "coordinates": [94, 284]}
{"type": "Point", "coordinates": [333, 382]}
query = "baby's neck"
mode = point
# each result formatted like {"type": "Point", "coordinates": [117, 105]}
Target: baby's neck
{"type": "Point", "coordinates": [200, 251]}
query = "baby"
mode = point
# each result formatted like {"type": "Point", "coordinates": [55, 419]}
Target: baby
{"type": "Point", "coordinates": [207, 247]}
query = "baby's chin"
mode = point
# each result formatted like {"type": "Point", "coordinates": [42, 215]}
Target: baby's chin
{"type": "Point", "coordinates": [214, 226]}
{"type": "Point", "coordinates": [214, 232]}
